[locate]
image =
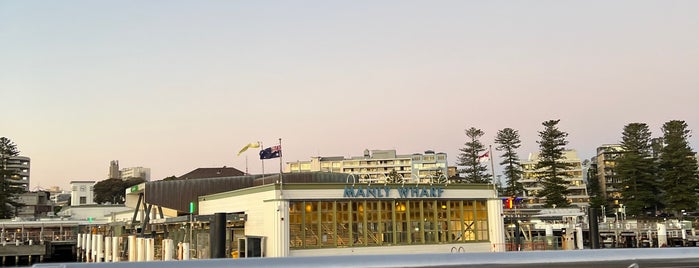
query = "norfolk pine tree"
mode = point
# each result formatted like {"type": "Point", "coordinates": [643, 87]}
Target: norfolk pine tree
{"type": "Point", "coordinates": [636, 171]}
{"type": "Point", "coordinates": [678, 168]}
{"type": "Point", "coordinates": [508, 142]}
{"type": "Point", "coordinates": [550, 168]}
{"type": "Point", "coordinates": [10, 188]}
{"type": "Point", "coordinates": [474, 171]}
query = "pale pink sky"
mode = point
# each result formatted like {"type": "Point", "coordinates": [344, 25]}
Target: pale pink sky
{"type": "Point", "coordinates": [176, 85]}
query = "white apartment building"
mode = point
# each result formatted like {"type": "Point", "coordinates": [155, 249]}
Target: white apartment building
{"type": "Point", "coordinates": [574, 176]}
{"type": "Point", "coordinates": [376, 165]}
{"type": "Point", "coordinates": [82, 193]}
{"type": "Point", "coordinates": [135, 172]}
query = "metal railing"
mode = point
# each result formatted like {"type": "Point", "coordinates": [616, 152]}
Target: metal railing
{"type": "Point", "coordinates": [598, 258]}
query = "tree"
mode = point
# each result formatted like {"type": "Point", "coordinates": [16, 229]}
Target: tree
{"type": "Point", "coordinates": [438, 177]}
{"type": "Point", "coordinates": [508, 141]}
{"type": "Point", "coordinates": [551, 170]}
{"type": "Point", "coordinates": [170, 178]}
{"type": "Point", "coordinates": [394, 177]}
{"type": "Point", "coordinates": [10, 187]}
{"type": "Point", "coordinates": [113, 190]}
{"type": "Point", "coordinates": [474, 171]}
{"type": "Point", "coordinates": [636, 171]}
{"type": "Point", "coordinates": [678, 168]}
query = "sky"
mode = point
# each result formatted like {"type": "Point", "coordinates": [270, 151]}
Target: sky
{"type": "Point", "coordinates": [178, 85]}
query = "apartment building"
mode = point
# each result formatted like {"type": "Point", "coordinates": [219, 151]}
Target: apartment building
{"type": "Point", "coordinates": [607, 177]}
{"type": "Point", "coordinates": [376, 165]}
{"type": "Point", "coordinates": [21, 166]}
{"type": "Point", "coordinates": [574, 177]}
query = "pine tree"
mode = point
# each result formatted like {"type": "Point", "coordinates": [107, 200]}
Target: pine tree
{"type": "Point", "coordinates": [636, 171]}
{"type": "Point", "coordinates": [10, 188]}
{"type": "Point", "coordinates": [508, 142]}
{"type": "Point", "coordinates": [474, 171]}
{"type": "Point", "coordinates": [551, 169]}
{"type": "Point", "coordinates": [678, 168]}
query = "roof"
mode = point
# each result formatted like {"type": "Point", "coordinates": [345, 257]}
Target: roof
{"type": "Point", "coordinates": [177, 194]}
{"type": "Point", "coordinates": [218, 172]}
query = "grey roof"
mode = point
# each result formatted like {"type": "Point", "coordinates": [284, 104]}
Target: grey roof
{"type": "Point", "coordinates": [177, 194]}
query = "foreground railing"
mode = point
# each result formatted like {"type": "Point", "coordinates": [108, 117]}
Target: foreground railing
{"type": "Point", "coordinates": [598, 258]}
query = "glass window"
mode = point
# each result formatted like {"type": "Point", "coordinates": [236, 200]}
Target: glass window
{"type": "Point", "coordinates": [343, 219]}
{"type": "Point", "coordinates": [311, 224]}
{"type": "Point", "coordinates": [358, 234]}
{"type": "Point", "coordinates": [387, 221]}
{"type": "Point", "coordinates": [401, 224]}
{"type": "Point", "coordinates": [469, 221]}
{"type": "Point", "coordinates": [416, 222]}
{"type": "Point", "coordinates": [455, 224]}
{"type": "Point", "coordinates": [295, 224]}
{"type": "Point", "coordinates": [373, 223]}
{"type": "Point", "coordinates": [442, 225]}
{"type": "Point", "coordinates": [327, 224]}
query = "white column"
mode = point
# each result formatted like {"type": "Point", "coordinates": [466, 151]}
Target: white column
{"type": "Point", "coordinates": [150, 249]}
{"type": "Point", "coordinates": [496, 225]}
{"type": "Point", "coordinates": [168, 249]}
{"type": "Point", "coordinates": [579, 235]}
{"type": "Point", "coordinates": [88, 247]}
{"type": "Point", "coordinates": [185, 251]}
{"type": "Point", "coordinates": [100, 246]}
{"type": "Point", "coordinates": [107, 248]}
{"type": "Point", "coordinates": [94, 248]}
{"type": "Point", "coordinates": [132, 248]}
{"type": "Point", "coordinates": [79, 246]}
{"type": "Point", "coordinates": [140, 249]}
{"type": "Point", "coordinates": [116, 248]}
{"type": "Point", "coordinates": [549, 234]}
{"type": "Point", "coordinates": [662, 235]}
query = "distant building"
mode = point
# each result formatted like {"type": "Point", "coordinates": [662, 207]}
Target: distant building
{"type": "Point", "coordinates": [218, 172]}
{"type": "Point", "coordinates": [576, 184]}
{"type": "Point", "coordinates": [135, 173]}
{"type": "Point", "coordinates": [376, 165]}
{"type": "Point", "coordinates": [609, 181]}
{"type": "Point", "coordinates": [82, 193]}
{"type": "Point", "coordinates": [114, 169]}
{"type": "Point", "coordinates": [36, 205]}
{"type": "Point", "coordinates": [21, 166]}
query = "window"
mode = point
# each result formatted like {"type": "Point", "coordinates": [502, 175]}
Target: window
{"type": "Point", "coordinates": [344, 223]}
{"type": "Point", "coordinates": [83, 200]}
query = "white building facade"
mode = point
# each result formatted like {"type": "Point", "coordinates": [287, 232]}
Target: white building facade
{"type": "Point", "coordinates": [315, 219]}
{"type": "Point", "coordinates": [134, 173]}
{"type": "Point", "coordinates": [376, 165]}
{"type": "Point", "coordinates": [82, 193]}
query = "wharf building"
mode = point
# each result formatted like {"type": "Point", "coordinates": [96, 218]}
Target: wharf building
{"type": "Point", "coordinates": [314, 214]}
{"type": "Point", "coordinates": [376, 165]}
{"type": "Point", "coordinates": [573, 176]}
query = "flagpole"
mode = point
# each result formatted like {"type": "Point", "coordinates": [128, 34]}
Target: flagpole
{"type": "Point", "coordinates": [492, 166]}
{"type": "Point", "coordinates": [281, 180]}
{"type": "Point", "coordinates": [246, 165]}
{"type": "Point", "coordinates": [263, 164]}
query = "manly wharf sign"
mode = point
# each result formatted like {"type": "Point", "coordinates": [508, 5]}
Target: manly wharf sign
{"type": "Point", "coordinates": [392, 192]}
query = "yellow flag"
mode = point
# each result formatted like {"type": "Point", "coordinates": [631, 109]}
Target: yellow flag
{"type": "Point", "coordinates": [250, 145]}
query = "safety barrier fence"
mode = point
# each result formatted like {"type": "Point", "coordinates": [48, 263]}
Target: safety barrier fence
{"type": "Point", "coordinates": [597, 258]}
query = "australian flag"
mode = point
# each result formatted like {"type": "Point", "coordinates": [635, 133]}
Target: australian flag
{"type": "Point", "coordinates": [271, 152]}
